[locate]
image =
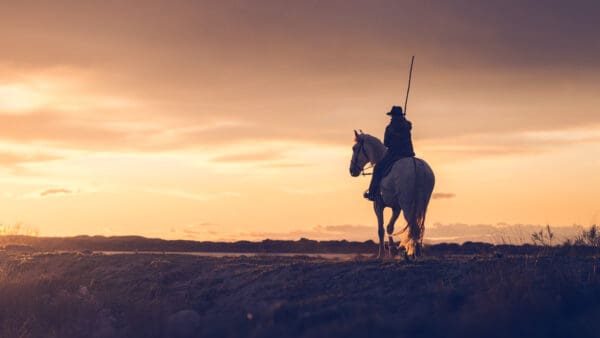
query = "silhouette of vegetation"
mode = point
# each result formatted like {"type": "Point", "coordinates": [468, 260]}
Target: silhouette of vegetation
{"type": "Point", "coordinates": [472, 289]}
{"type": "Point", "coordinates": [585, 244]}
{"type": "Point", "coordinates": [589, 237]}
{"type": "Point", "coordinates": [155, 295]}
{"type": "Point", "coordinates": [17, 229]}
{"type": "Point", "coordinates": [544, 237]}
{"type": "Point", "coordinates": [138, 243]}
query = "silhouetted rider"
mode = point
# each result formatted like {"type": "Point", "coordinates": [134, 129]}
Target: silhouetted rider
{"type": "Point", "coordinates": [399, 143]}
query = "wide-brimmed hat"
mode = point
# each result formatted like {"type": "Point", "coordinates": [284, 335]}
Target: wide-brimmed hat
{"type": "Point", "coordinates": [396, 110]}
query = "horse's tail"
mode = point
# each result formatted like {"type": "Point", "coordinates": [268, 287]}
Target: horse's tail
{"type": "Point", "coordinates": [424, 182]}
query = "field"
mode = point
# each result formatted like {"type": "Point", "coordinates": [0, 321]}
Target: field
{"type": "Point", "coordinates": [78, 294]}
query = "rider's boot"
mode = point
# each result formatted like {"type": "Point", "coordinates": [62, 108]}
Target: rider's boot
{"type": "Point", "coordinates": [373, 191]}
{"type": "Point", "coordinates": [367, 195]}
{"type": "Point", "coordinates": [371, 194]}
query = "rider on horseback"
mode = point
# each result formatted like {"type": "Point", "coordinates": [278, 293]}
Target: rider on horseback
{"type": "Point", "coordinates": [399, 145]}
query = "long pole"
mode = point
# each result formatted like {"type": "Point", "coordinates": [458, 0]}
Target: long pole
{"type": "Point", "coordinates": [412, 60]}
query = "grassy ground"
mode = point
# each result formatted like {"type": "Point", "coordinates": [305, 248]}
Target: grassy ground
{"type": "Point", "coordinates": [143, 295]}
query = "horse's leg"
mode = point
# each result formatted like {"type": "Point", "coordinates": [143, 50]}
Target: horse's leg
{"type": "Point", "coordinates": [378, 207]}
{"type": "Point", "coordinates": [409, 242]}
{"type": "Point", "coordinates": [390, 230]}
{"type": "Point", "coordinates": [418, 249]}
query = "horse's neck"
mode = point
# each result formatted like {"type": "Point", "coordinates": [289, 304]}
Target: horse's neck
{"type": "Point", "coordinates": [378, 150]}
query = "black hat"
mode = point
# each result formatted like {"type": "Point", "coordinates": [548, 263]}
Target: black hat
{"type": "Point", "coordinates": [396, 110]}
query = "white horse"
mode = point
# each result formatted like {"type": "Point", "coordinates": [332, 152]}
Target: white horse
{"type": "Point", "coordinates": [406, 188]}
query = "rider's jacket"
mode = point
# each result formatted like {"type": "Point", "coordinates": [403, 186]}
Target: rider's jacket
{"type": "Point", "coordinates": [398, 138]}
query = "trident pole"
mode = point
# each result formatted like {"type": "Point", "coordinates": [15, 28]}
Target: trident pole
{"type": "Point", "coordinates": [412, 60]}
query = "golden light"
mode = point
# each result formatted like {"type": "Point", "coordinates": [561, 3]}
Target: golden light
{"type": "Point", "coordinates": [16, 98]}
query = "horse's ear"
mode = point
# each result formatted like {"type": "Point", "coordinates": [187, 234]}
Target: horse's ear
{"type": "Point", "coordinates": [361, 131]}
{"type": "Point", "coordinates": [355, 133]}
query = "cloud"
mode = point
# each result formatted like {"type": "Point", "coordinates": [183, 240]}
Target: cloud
{"type": "Point", "coordinates": [249, 157]}
{"type": "Point", "coordinates": [523, 142]}
{"type": "Point", "coordinates": [309, 190]}
{"type": "Point", "coordinates": [286, 165]}
{"type": "Point", "coordinates": [284, 30]}
{"type": "Point", "coordinates": [215, 70]}
{"type": "Point", "coordinates": [442, 195]}
{"type": "Point", "coordinates": [58, 129]}
{"type": "Point", "coordinates": [10, 159]}
{"type": "Point", "coordinates": [194, 196]}
{"type": "Point", "coordinates": [205, 224]}
{"type": "Point", "coordinates": [299, 90]}
{"type": "Point", "coordinates": [55, 191]}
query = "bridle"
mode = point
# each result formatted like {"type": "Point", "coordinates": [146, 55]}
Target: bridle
{"type": "Point", "coordinates": [354, 163]}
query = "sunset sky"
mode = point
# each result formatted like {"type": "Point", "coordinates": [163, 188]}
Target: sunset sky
{"type": "Point", "coordinates": [228, 120]}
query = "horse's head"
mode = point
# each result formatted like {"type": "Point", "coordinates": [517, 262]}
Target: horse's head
{"type": "Point", "coordinates": [360, 156]}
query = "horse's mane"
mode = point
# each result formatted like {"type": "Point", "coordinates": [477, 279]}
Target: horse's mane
{"type": "Point", "coordinates": [371, 138]}
{"type": "Point", "coordinates": [378, 146]}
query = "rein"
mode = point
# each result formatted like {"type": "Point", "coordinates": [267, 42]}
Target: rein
{"type": "Point", "coordinates": [362, 172]}
{"type": "Point", "coordinates": [354, 163]}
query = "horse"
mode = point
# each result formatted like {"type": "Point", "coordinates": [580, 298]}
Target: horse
{"type": "Point", "coordinates": [407, 188]}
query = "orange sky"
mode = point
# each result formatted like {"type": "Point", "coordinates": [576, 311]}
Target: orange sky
{"type": "Point", "coordinates": [233, 120]}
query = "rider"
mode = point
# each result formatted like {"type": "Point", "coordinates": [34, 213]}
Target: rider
{"type": "Point", "coordinates": [398, 141]}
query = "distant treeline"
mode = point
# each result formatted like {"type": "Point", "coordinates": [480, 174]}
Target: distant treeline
{"type": "Point", "coordinates": [138, 243]}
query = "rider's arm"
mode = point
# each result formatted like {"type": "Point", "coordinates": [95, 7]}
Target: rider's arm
{"type": "Point", "coordinates": [387, 138]}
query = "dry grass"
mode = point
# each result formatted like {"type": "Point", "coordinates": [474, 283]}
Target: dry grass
{"type": "Point", "coordinates": [74, 295]}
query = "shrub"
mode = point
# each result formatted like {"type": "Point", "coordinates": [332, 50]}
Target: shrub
{"type": "Point", "coordinates": [17, 229]}
{"type": "Point", "coordinates": [589, 237]}
{"type": "Point", "coordinates": [544, 237]}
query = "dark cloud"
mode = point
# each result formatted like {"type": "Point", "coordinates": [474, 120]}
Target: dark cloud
{"type": "Point", "coordinates": [331, 33]}
{"type": "Point", "coordinates": [309, 70]}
